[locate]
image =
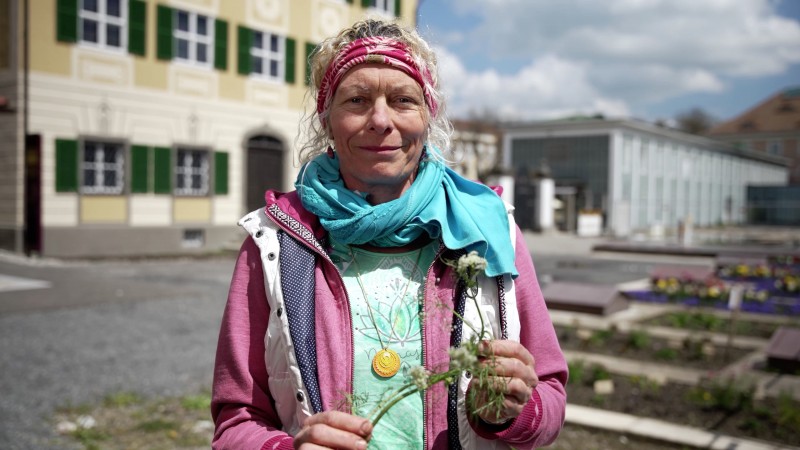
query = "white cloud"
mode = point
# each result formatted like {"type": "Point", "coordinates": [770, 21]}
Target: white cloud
{"type": "Point", "coordinates": [548, 87]}
{"type": "Point", "coordinates": [585, 53]}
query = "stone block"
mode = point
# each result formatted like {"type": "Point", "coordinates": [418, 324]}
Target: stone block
{"type": "Point", "coordinates": [604, 387]}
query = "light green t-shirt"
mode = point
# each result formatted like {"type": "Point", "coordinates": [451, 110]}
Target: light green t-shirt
{"type": "Point", "coordinates": [393, 283]}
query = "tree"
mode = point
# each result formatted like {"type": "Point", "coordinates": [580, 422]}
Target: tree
{"type": "Point", "coordinates": [477, 145]}
{"type": "Point", "coordinates": [695, 121]}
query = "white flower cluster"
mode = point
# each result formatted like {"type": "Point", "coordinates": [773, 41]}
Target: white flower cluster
{"type": "Point", "coordinates": [462, 359]}
{"type": "Point", "coordinates": [472, 262]}
{"type": "Point", "coordinates": [420, 377]}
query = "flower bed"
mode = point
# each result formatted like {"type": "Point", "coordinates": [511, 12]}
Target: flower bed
{"type": "Point", "coordinates": [782, 305]}
{"type": "Point", "coordinates": [772, 288]}
{"type": "Point", "coordinates": [691, 352]}
{"type": "Point", "coordinates": [699, 320]}
{"type": "Point", "coordinates": [722, 406]}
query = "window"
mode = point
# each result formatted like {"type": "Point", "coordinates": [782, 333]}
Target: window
{"type": "Point", "coordinates": [386, 6]}
{"type": "Point", "coordinates": [192, 172]}
{"type": "Point", "coordinates": [103, 23]}
{"type": "Point", "coordinates": [191, 37]}
{"type": "Point", "coordinates": [193, 238]}
{"type": "Point", "coordinates": [194, 38]}
{"type": "Point", "coordinates": [102, 167]}
{"type": "Point", "coordinates": [775, 148]}
{"type": "Point", "coordinates": [268, 55]}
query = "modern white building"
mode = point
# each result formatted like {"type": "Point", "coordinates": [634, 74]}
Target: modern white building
{"type": "Point", "coordinates": [637, 175]}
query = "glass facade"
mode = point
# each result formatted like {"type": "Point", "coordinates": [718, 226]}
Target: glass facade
{"type": "Point", "coordinates": [773, 205]}
{"type": "Point", "coordinates": [641, 178]}
{"type": "Point", "coordinates": [581, 162]}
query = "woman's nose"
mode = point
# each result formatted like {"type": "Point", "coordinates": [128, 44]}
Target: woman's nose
{"type": "Point", "coordinates": [380, 117]}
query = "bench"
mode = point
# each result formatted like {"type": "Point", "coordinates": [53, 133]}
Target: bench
{"type": "Point", "coordinates": [598, 299]}
{"type": "Point", "coordinates": [783, 350]}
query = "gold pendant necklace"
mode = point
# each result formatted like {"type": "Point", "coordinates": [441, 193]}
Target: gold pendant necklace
{"type": "Point", "coordinates": [386, 362]}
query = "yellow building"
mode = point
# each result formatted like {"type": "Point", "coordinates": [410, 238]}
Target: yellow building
{"type": "Point", "coordinates": [142, 127]}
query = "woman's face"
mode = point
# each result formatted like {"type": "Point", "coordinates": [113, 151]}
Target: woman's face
{"type": "Point", "coordinates": [378, 125]}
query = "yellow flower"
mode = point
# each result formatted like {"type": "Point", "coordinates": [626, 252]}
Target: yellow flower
{"type": "Point", "coordinates": [742, 270]}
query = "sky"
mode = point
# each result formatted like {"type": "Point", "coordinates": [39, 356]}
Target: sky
{"type": "Point", "coordinates": [645, 59]}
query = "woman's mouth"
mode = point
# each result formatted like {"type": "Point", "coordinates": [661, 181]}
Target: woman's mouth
{"type": "Point", "coordinates": [380, 148]}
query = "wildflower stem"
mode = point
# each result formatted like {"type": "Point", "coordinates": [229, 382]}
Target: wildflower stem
{"type": "Point", "coordinates": [474, 297]}
{"type": "Point", "coordinates": [410, 389]}
{"type": "Point", "coordinates": [389, 402]}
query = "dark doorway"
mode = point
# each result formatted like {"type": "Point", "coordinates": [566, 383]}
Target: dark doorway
{"type": "Point", "coordinates": [264, 168]}
{"type": "Point", "coordinates": [33, 195]}
{"type": "Point", "coordinates": [525, 198]}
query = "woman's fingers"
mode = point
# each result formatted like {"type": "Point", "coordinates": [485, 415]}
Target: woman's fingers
{"type": "Point", "coordinates": [513, 389]}
{"type": "Point", "coordinates": [513, 377]}
{"type": "Point", "coordinates": [515, 395]}
{"type": "Point", "coordinates": [334, 429]}
{"type": "Point", "coordinates": [510, 359]}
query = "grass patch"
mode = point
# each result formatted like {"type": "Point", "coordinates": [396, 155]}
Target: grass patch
{"type": "Point", "coordinates": [125, 420]}
{"type": "Point", "coordinates": [200, 402]}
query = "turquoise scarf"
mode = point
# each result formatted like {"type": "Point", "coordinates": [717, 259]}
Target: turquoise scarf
{"type": "Point", "coordinates": [465, 214]}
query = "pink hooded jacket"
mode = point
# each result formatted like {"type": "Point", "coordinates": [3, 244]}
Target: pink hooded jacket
{"type": "Point", "coordinates": [247, 406]}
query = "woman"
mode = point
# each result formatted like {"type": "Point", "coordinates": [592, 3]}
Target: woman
{"type": "Point", "coordinates": [347, 283]}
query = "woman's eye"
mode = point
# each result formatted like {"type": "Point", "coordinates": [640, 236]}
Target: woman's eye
{"type": "Point", "coordinates": [356, 100]}
{"type": "Point", "coordinates": [407, 100]}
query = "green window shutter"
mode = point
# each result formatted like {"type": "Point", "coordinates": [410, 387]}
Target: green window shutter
{"type": "Point", "coordinates": [397, 8]}
{"type": "Point", "coordinates": [245, 36]}
{"type": "Point", "coordinates": [66, 165]}
{"type": "Point", "coordinates": [162, 170]}
{"type": "Point", "coordinates": [140, 182]}
{"type": "Point", "coordinates": [310, 48]}
{"type": "Point", "coordinates": [164, 38]}
{"type": "Point", "coordinates": [221, 44]}
{"type": "Point", "coordinates": [221, 173]}
{"type": "Point", "coordinates": [67, 20]}
{"type": "Point", "coordinates": [137, 20]}
{"type": "Point", "coordinates": [350, 1]}
{"type": "Point", "coordinates": [290, 60]}
{"type": "Point", "coordinates": [365, 3]}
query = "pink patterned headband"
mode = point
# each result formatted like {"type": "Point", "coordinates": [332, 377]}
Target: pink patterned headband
{"type": "Point", "coordinates": [381, 50]}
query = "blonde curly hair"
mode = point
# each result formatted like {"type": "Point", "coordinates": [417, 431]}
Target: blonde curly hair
{"type": "Point", "coordinates": [314, 137]}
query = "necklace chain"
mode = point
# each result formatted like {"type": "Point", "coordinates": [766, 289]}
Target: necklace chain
{"type": "Point", "coordinates": [386, 362]}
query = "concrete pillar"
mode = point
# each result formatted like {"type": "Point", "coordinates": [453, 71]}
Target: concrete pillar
{"type": "Point", "coordinates": [505, 181]}
{"type": "Point", "coordinates": [545, 193]}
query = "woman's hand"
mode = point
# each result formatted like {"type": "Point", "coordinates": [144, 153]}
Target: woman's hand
{"type": "Point", "coordinates": [334, 429]}
{"type": "Point", "coordinates": [514, 377]}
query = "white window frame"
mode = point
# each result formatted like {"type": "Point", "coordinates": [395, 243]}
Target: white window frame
{"type": "Point", "coordinates": [187, 171]}
{"type": "Point", "coordinates": [267, 55]}
{"type": "Point", "coordinates": [103, 20]}
{"type": "Point", "coordinates": [383, 6]}
{"type": "Point", "coordinates": [193, 38]}
{"type": "Point", "coordinates": [99, 167]}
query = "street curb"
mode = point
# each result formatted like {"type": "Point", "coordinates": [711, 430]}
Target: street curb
{"type": "Point", "coordinates": [661, 430]}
